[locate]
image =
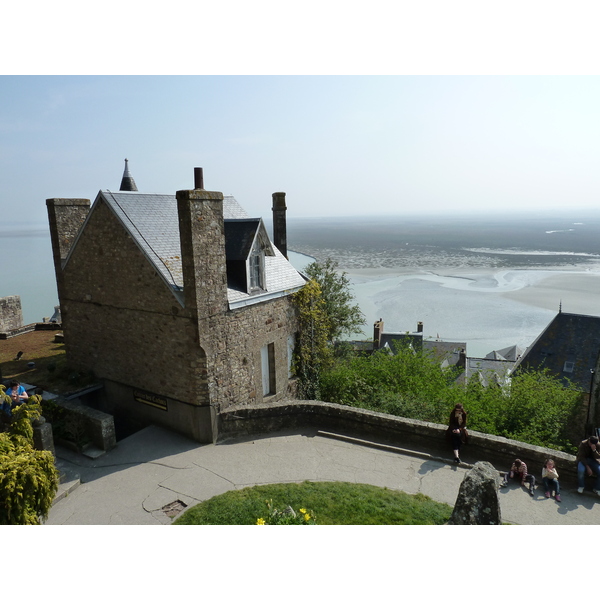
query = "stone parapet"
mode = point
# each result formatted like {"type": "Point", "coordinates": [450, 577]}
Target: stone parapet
{"type": "Point", "coordinates": [99, 426]}
{"type": "Point", "coordinates": [388, 429]}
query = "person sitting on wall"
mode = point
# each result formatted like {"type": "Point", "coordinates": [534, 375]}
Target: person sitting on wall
{"type": "Point", "coordinates": [587, 462]}
{"type": "Point", "coordinates": [457, 430]}
{"type": "Point", "coordinates": [518, 470]}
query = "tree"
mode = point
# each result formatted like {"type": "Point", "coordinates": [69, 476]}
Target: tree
{"type": "Point", "coordinates": [28, 477]}
{"type": "Point", "coordinates": [343, 316]}
{"type": "Point", "coordinates": [312, 352]}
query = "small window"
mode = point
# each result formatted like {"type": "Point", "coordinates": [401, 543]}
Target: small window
{"type": "Point", "coordinates": [568, 367]}
{"type": "Point", "coordinates": [291, 346]}
{"type": "Point", "coordinates": [267, 359]}
{"type": "Point", "coordinates": [256, 267]}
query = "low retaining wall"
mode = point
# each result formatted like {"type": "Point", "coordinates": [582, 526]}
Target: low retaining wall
{"type": "Point", "coordinates": [99, 426]}
{"type": "Point", "coordinates": [5, 335]}
{"type": "Point", "coordinates": [387, 429]}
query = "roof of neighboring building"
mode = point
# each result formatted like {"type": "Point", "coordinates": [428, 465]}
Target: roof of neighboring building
{"type": "Point", "coordinates": [568, 347]}
{"type": "Point", "coordinates": [153, 223]}
{"type": "Point", "coordinates": [392, 339]}
{"type": "Point", "coordinates": [489, 370]}
{"type": "Point", "coordinates": [510, 353]}
{"type": "Point", "coordinates": [443, 350]}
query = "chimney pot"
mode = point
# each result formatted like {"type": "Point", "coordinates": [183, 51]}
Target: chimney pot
{"type": "Point", "coordinates": [198, 178]}
{"type": "Point", "coordinates": [279, 222]}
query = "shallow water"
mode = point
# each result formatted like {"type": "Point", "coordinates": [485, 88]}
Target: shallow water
{"type": "Point", "coordinates": [491, 283]}
{"type": "Point", "coordinates": [485, 306]}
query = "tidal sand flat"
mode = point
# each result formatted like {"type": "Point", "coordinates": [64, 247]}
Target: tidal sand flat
{"type": "Point", "coordinates": [486, 308]}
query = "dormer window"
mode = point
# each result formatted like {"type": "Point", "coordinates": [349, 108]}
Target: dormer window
{"type": "Point", "coordinates": [257, 267]}
{"type": "Point", "coordinates": [246, 246]}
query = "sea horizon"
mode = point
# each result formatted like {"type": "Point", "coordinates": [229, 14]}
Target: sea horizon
{"type": "Point", "coordinates": [488, 282]}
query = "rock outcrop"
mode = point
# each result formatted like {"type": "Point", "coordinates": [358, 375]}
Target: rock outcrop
{"type": "Point", "coordinates": [477, 502]}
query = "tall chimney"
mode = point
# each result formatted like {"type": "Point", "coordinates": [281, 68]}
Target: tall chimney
{"type": "Point", "coordinates": [198, 178]}
{"type": "Point", "coordinates": [279, 222]}
{"type": "Point", "coordinates": [377, 331]}
{"type": "Point", "coordinates": [203, 261]}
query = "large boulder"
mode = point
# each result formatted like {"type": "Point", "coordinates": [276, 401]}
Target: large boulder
{"type": "Point", "coordinates": [477, 502]}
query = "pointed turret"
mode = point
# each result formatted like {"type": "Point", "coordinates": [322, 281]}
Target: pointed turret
{"type": "Point", "coordinates": [127, 183]}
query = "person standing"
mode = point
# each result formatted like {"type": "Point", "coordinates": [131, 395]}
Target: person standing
{"type": "Point", "coordinates": [457, 430]}
{"type": "Point", "coordinates": [550, 480]}
{"type": "Point", "coordinates": [587, 463]}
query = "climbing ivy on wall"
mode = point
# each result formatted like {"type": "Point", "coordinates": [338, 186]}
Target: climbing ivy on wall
{"type": "Point", "coordinates": [313, 352]}
{"type": "Point", "coordinates": [28, 477]}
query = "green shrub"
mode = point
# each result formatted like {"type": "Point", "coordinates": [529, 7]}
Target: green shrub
{"type": "Point", "coordinates": [28, 477]}
{"type": "Point", "coordinates": [536, 407]}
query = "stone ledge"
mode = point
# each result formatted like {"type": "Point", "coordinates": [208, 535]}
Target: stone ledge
{"type": "Point", "coordinates": [397, 432]}
{"type": "Point", "coordinates": [5, 335]}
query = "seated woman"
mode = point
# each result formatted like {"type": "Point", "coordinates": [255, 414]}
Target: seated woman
{"type": "Point", "coordinates": [457, 430]}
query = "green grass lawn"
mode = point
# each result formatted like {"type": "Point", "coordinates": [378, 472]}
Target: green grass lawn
{"type": "Point", "coordinates": [333, 503]}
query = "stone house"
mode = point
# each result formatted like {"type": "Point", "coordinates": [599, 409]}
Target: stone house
{"type": "Point", "coordinates": [494, 369]}
{"type": "Point", "coordinates": [569, 348]}
{"type": "Point", "coordinates": [180, 304]}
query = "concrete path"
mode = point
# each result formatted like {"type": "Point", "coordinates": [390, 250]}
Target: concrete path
{"type": "Point", "coordinates": [145, 480]}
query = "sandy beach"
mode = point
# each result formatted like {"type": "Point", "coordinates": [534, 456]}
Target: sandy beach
{"type": "Point", "coordinates": [488, 309]}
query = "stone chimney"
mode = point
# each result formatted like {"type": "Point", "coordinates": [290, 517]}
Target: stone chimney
{"type": "Point", "coordinates": [65, 217]}
{"type": "Point", "coordinates": [462, 359]}
{"type": "Point", "coordinates": [420, 327]}
{"type": "Point", "coordinates": [377, 333]}
{"type": "Point", "coordinates": [127, 182]}
{"type": "Point", "coordinates": [279, 222]}
{"type": "Point", "coordinates": [203, 261]}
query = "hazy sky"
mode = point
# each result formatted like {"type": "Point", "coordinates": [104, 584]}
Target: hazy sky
{"type": "Point", "coordinates": [346, 145]}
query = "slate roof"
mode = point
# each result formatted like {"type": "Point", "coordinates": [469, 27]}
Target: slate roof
{"type": "Point", "coordinates": [509, 353]}
{"type": "Point", "coordinates": [490, 370]}
{"type": "Point", "coordinates": [445, 351]}
{"type": "Point", "coordinates": [153, 223]}
{"type": "Point", "coordinates": [568, 347]}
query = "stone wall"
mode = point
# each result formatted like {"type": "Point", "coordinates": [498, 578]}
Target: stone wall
{"type": "Point", "coordinates": [11, 314]}
{"type": "Point", "coordinates": [389, 430]}
{"type": "Point", "coordinates": [99, 426]}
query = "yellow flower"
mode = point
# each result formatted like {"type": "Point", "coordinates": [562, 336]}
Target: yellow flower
{"type": "Point", "coordinates": [306, 517]}
{"type": "Point", "coordinates": [260, 521]}
{"type": "Point", "coordinates": [302, 510]}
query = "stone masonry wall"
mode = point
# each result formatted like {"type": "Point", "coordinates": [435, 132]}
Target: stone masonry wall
{"type": "Point", "coordinates": [234, 356]}
{"type": "Point", "coordinates": [122, 321]}
{"type": "Point", "coordinates": [232, 340]}
{"type": "Point", "coordinates": [11, 315]}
